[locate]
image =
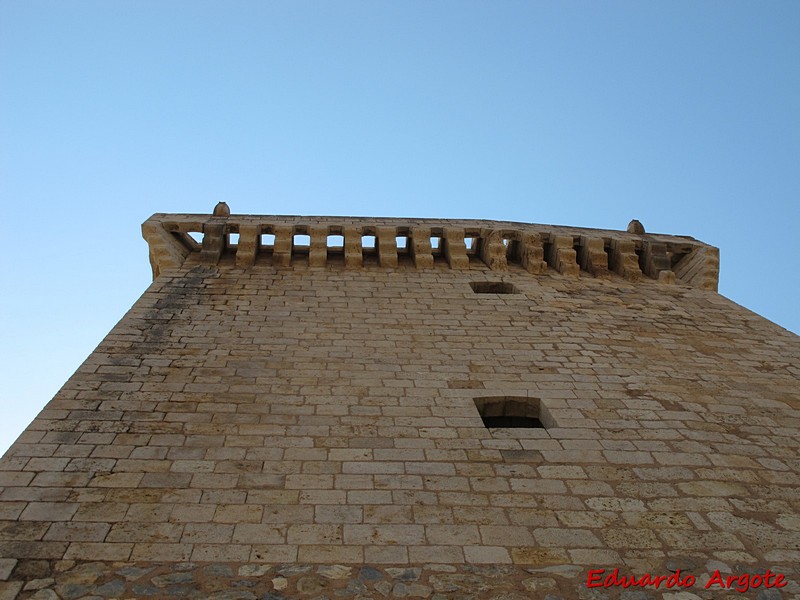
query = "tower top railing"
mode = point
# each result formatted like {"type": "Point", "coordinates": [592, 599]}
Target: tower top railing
{"type": "Point", "coordinates": [242, 241]}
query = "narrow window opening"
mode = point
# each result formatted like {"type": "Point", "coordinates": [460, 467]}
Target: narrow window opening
{"type": "Point", "coordinates": [473, 243]}
{"type": "Point", "coordinates": [268, 239]}
{"type": "Point", "coordinates": [511, 412]}
{"type": "Point", "coordinates": [335, 242]}
{"type": "Point", "coordinates": [369, 251]}
{"type": "Point", "coordinates": [435, 242]}
{"type": "Point", "coordinates": [493, 287]}
{"type": "Point", "coordinates": [301, 240]}
{"type": "Point", "coordinates": [402, 242]}
{"type": "Point", "coordinates": [512, 251]}
{"type": "Point", "coordinates": [233, 240]}
{"type": "Point", "coordinates": [301, 247]}
{"type": "Point", "coordinates": [512, 421]}
{"type": "Point", "coordinates": [548, 253]}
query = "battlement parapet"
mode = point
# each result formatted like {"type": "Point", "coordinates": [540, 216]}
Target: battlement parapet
{"type": "Point", "coordinates": [359, 242]}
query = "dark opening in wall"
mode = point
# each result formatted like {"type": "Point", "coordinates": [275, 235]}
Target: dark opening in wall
{"type": "Point", "coordinates": [512, 251]}
{"type": "Point", "coordinates": [517, 412]}
{"type": "Point", "coordinates": [511, 421]}
{"type": "Point", "coordinates": [493, 287]}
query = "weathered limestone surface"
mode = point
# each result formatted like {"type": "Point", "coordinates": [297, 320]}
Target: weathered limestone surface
{"type": "Point", "coordinates": [292, 409]}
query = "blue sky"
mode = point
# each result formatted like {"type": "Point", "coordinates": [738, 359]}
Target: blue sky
{"type": "Point", "coordinates": [682, 114]}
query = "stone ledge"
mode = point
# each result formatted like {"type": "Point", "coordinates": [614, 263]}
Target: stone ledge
{"type": "Point", "coordinates": [457, 244]}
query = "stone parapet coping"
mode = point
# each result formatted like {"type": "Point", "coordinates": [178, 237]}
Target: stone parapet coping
{"type": "Point", "coordinates": [382, 242]}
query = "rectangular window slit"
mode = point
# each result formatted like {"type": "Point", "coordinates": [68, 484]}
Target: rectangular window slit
{"type": "Point", "coordinates": [301, 240]}
{"type": "Point", "coordinates": [511, 412]}
{"type": "Point", "coordinates": [512, 251]}
{"type": "Point", "coordinates": [493, 287]}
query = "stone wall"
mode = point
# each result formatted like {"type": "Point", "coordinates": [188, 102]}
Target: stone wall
{"type": "Point", "coordinates": [262, 414]}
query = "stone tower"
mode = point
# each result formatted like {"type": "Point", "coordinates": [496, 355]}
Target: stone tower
{"type": "Point", "coordinates": [328, 407]}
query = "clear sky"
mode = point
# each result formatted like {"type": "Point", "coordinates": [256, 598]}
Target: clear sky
{"type": "Point", "coordinates": [684, 114]}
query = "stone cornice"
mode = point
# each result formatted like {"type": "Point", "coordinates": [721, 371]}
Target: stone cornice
{"type": "Point", "coordinates": [536, 248]}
